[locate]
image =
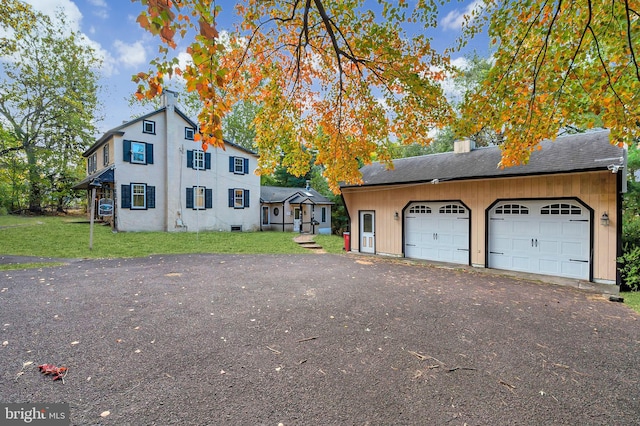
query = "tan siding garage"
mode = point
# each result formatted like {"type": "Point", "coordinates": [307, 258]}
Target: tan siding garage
{"type": "Point", "coordinates": [566, 187]}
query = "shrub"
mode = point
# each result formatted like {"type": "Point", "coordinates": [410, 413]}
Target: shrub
{"type": "Point", "coordinates": [630, 268]}
{"type": "Point", "coordinates": [630, 230]}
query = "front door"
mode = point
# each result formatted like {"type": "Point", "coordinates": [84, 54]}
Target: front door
{"type": "Point", "coordinates": [367, 232]}
{"type": "Point", "coordinates": [297, 219]}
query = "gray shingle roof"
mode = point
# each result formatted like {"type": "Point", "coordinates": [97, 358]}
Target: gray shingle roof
{"type": "Point", "coordinates": [567, 154]}
{"type": "Point", "coordinates": [118, 131]}
{"type": "Point", "coordinates": [279, 194]}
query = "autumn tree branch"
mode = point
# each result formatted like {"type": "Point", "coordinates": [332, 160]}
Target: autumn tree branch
{"type": "Point", "coordinates": [629, 38]}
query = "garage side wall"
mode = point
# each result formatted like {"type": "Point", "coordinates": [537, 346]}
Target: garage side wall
{"type": "Point", "coordinates": [595, 189]}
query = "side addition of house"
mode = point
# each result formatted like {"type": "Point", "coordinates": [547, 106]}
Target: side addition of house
{"type": "Point", "coordinates": [295, 210]}
{"type": "Point", "coordinates": [559, 215]}
{"type": "Point", "coordinates": [158, 179]}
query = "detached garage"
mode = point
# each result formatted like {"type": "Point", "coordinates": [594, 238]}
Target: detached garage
{"type": "Point", "coordinates": [559, 215]}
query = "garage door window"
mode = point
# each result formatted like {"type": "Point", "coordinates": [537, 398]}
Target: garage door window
{"type": "Point", "coordinates": [561, 209]}
{"type": "Point", "coordinates": [421, 208]}
{"type": "Point", "coordinates": [512, 209]}
{"type": "Point", "coordinates": [452, 208]}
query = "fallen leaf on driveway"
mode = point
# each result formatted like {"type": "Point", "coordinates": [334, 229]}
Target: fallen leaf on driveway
{"type": "Point", "coordinates": [75, 342]}
{"type": "Point", "coordinates": [105, 413]}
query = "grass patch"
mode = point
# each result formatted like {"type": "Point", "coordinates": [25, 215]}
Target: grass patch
{"type": "Point", "coordinates": [632, 299]}
{"type": "Point", "coordinates": [68, 237]}
{"type": "Point", "coordinates": [37, 265]}
{"type": "Point", "coordinates": [330, 243]}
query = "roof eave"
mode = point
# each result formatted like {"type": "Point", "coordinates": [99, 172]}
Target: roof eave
{"type": "Point", "coordinates": [459, 179]}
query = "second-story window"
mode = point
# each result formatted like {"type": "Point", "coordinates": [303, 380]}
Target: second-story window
{"type": "Point", "coordinates": [105, 155]}
{"type": "Point", "coordinates": [138, 152]}
{"type": "Point", "coordinates": [189, 133]}
{"type": "Point", "coordinates": [239, 165]}
{"type": "Point", "coordinates": [92, 163]}
{"type": "Point", "coordinates": [149, 126]}
{"type": "Point", "coordinates": [198, 160]}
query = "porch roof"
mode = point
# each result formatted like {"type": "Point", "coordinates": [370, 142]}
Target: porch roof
{"type": "Point", "coordinates": [103, 176]}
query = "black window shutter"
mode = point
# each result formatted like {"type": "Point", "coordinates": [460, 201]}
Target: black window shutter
{"type": "Point", "coordinates": [149, 153]}
{"type": "Point", "coordinates": [246, 198]}
{"type": "Point", "coordinates": [151, 197]}
{"type": "Point", "coordinates": [126, 151]}
{"type": "Point", "coordinates": [189, 198]}
{"type": "Point", "coordinates": [125, 201]}
{"type": "Point", "coordinates": [246, 166]}
{"type": "Point", "coordinates": [232, 164]}
{"type": "Point", "coordinates": [190, 159]}
{"type": "Point", "coordinates": [231, 197]}
{"type": "Point", "coordinates": [208, 198]}
{"type": "Point", "coordinates": [207, 160]}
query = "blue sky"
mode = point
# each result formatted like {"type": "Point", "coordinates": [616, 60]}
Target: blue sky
{"type": "Point", "coordinates": [110, 27]}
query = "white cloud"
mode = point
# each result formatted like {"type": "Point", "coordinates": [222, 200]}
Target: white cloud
{"type": "Point", "coordinates": [455, 19]}
{"type": "Point", "coordinates": [69, 9]}
{"type": "Point", "coordinates": [130, 55]}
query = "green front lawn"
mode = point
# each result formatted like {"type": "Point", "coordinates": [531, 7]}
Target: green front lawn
{"type": "Point", "coordinates": [68, 237]}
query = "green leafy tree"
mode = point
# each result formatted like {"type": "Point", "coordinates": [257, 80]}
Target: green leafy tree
{"type": "Point", "coordinates": [557, 64]}
{"type": "Point", "coordinates": [48, 97]}
{"type": "Point", "coordinates": [239, 125]}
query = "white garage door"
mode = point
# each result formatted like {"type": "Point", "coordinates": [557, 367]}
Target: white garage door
{"type": "Point", "coordinates": [437, 231]}
{"type": "Point", "coordinates": [542, 237]}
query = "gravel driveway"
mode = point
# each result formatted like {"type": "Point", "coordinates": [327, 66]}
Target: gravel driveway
{"type": "Point", "coordinates": [314, 340]}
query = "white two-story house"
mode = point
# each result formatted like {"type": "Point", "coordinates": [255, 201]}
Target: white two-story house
{"type": "Point", "coordinates": [151, 175]}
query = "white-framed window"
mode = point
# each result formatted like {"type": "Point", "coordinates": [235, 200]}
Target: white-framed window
{"type": "Point", "coordinates": [105, 155]}
{"type": "Point", "coordinates": [149, 126]}
{"type": "Point", "coordinates": [238, 197]}
{"type": "Point", "coordinates": [189, 133]}
{"type": "Point", "coordinates": [238, 165]}
{"type": "Point", "coordinates": [265, 215]}
{"type": "Point", "coordinates": [323, 214]}
{"type": "Point", "coordinates": [198, 160]}
{"type": "Point", "coordinates": [198, 197]}
{"type": "Point", "coordinates": [138, 152]}
{"type": "Point", "coordinates": [138, 196]}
